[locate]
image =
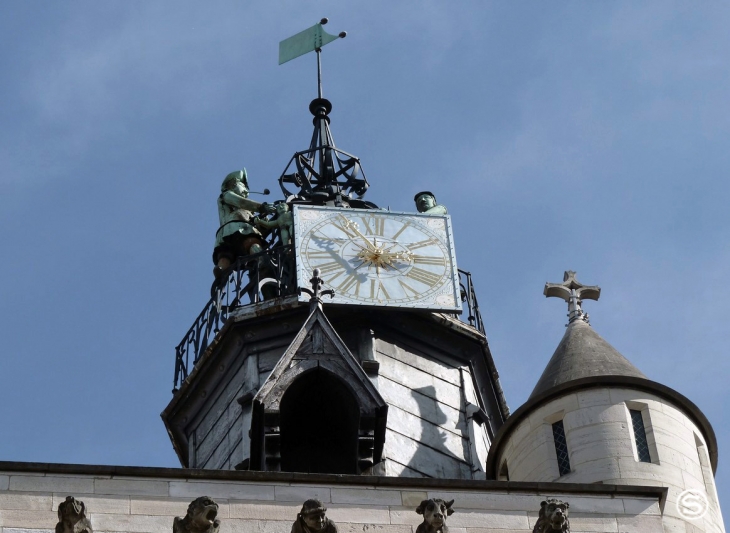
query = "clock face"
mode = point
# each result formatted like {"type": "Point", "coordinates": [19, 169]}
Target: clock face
{"type": "Point", "coordinates": [379, 258]}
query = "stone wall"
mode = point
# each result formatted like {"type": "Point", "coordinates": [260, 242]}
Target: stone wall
{"type": "Point", "coordinates": [146, 500]}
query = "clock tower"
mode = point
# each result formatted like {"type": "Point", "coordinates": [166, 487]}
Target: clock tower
{"type": "Point", "coordinates": [390, 375]}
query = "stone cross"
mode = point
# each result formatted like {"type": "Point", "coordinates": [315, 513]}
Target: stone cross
{"type": "Point", "coordinates": [315, 295]}
{"type": "Point", "coordinates": [574, 292]}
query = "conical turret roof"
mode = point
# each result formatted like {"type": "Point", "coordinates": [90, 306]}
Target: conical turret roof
{"type": "Point", "coordinates": [583, 353]}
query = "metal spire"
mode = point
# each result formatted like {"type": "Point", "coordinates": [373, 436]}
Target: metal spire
{"type": "Point", "coordinates": [323, 173]}
{"type": "Point", "coordinates": [573, 292]}
{"type": "Point", "coordinates": [315, 295]}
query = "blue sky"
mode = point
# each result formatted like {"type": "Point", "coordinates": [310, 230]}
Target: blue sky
{"type": "Point", "coordinates": [590, 136]}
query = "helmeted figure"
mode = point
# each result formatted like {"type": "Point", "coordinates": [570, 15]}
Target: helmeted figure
{"type": "Point", "coordinates": [237, 232]}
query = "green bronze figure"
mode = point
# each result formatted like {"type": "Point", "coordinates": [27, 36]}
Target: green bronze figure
{"type": "Point", "coordinates": [284, 221]}
{"type": "Point", "coordinates": [237, 234]}
{"type": "Point", "coordinates": [426, 203]}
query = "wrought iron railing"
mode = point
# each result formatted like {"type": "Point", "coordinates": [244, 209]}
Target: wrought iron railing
{"type": "Point", "coordinates": [263, 276]}
{"type": "Point", "coordinates": [469, 297]}
{"type": "Point", "coordinates": [250, 280]}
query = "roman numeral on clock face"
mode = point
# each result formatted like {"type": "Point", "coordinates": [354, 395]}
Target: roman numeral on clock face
{"type": "Point", "coordinates": [349, 282]}
{"type": "Point", "coordinates": [408, 289]}
{"type": "Point", "coordinates": [423, 276]}
{"type": "Point", "coordinates": [373, 225]}
{"type": "Point", "coordinates": [317, 254]}
{"type": "Point", "coordinates": [421, 244]}
{"type": "Point", "coordinates": [428, 260]}
{"type": "Point", "coordinates": [401, 230]}
{"type": "Point", "coordinates": [377, 287]}
{"type": "Point", "coordinates": [326, 268]}
{"type": "Point", "coordinates": [320, 237]}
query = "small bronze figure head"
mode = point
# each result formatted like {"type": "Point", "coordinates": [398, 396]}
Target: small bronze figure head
{"type": "Point", "coordinates": [425, 200]}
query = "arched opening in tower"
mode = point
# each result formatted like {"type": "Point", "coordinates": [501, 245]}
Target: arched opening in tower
{"type": "Point", "coordinates": [319, 425]}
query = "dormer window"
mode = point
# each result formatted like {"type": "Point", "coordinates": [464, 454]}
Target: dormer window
{"type": "Point", "coordinates": [319, 425]}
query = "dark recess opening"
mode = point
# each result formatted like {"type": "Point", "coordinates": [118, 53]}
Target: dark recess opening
{"type": "Point", "coordinates": [320, 418]}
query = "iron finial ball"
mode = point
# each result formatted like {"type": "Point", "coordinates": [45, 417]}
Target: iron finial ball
{"type": "Point", "coordinates": [343, 34]}
{"type": "Point", "coordinates": [324, 21]}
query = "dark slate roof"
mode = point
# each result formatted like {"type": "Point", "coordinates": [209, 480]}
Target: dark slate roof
{"type": "Point", "coordinates": [582, 353]}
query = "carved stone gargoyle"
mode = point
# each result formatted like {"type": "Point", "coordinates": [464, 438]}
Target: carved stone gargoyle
{"type": "Point", "coordinates": [201, 517]}
{"type": "Point", "coordinates": [435, 512]}
{"type": "Point", "coordinates": [553, 517]}
{"type": "Point", "coordinates": [312, 519]}
{"type": "Point", "coordinates": [72, 517]}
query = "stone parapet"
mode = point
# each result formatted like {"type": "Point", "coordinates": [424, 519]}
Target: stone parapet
{"type": "Point", "coordinates": [146, 500]}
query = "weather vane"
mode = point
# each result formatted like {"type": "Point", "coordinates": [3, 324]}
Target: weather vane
{"type": "Point", "coordinates": [311, 39]}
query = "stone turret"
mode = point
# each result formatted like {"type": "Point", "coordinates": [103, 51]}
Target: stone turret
{"type": "Point", "coordinates": [593, 417]}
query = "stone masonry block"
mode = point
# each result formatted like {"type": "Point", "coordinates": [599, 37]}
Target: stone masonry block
{"type": "Point", "coordinates": [640, 524]}
{"type": "Point", "coordinates": [406, 516]}
{"type": "Point", "coordinates": [619, 396]}
{"type": "Point", "coordinates": [67, 484]}
{"type": "Point", "coordinates": [641, 507]}
{"type": "Point", "coordinates": [113, 504]}
{"type": "Point", "coordinates": [375, 528]}
{"type": "Point", "coordinates": [491, 530]}
{"type": "Point", "coordinates": [587, 504]}
{"type": "Point", "coordinates": [520, 433]}
{"type": "Point", "coordinates": [272, 526]}
{"type": "Point", "coordinates": [131, 523]}
{"type": "Point", "coordinates": [301, 493]}
{"type": "Point", "coordinates": [412, 498]}
{"type": "Point", "coordinates": [242, 526]}
{"type": "Point", "coordinates": [226, 491]}
{"type": "Point", "coordinates": [23, 518]}
{"type": "Point", "coordinates": [133, 487]}
{"type": "Point", "coordinates": [590, 523]}
{"type": "Point", "coordinates": [494, 519]}
{"type": "Point", "coordinates": [490, 501]}
{"type": "Point", "coordinates": [521, 465]}
{"type": "Point", "coordinates": [366, 496]}
{"type": "Point", "coordinates": [597, 414]}
{"type": "Point", "coordinates": [159, 506]}
{"type": "Point", "coordinates": [566, 404]}
{"type": "Point", "coordinates": [359, 514]}
{"type": "Point", "coordinates": [533, 449]}
{"type": "Point", "coordinates": [547, 471]}
{"type": "Point", "coordinates": [18, 530]}
{"type": "Point", "coordinates": [252, 510]}
{"type": "Point", "coordinates": [594, 397]}
{"type": "Point", "coordinates": [4, 482]}
{"type": "Point", "coordinates": [665, 473]}
{"type": "Point", "coordinates": [26, 500]}
{"type": "Point", "coordinates": [605, 440]}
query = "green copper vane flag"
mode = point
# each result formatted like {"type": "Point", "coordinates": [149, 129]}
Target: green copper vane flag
{"type": "Point", "coordinates": [306, 41]}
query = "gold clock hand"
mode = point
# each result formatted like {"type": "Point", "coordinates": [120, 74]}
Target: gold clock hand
{"type": "Point", "coordinates": [353, 226]}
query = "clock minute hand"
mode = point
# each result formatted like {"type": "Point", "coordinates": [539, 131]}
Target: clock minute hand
{"type": "Point", "coordinates": [353, 226]}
